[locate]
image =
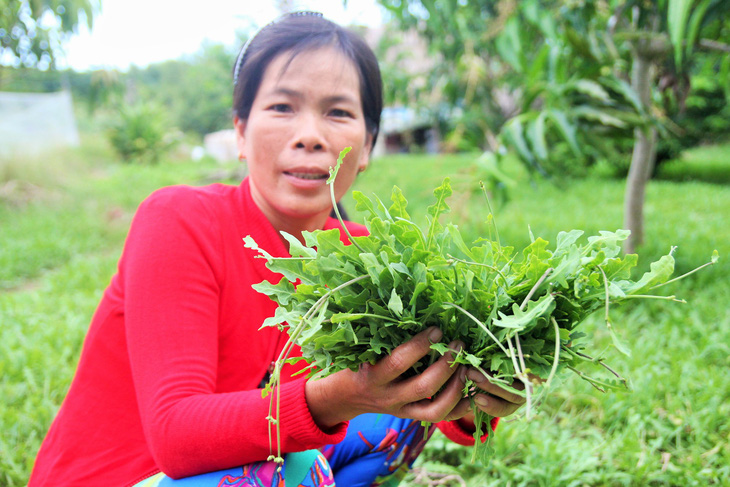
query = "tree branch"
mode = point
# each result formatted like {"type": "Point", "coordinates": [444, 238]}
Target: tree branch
{"type": "Point", "coordinates": [711, 45]}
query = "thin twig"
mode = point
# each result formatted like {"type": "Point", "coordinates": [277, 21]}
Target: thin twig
{"type": "Point", "coordinates": [534, 288]}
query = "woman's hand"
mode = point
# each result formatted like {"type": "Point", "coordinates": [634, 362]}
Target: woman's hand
{"type": "Point", "coordinates": [495, 401]}
{"type": "Point", "coordinates": [380, 388]}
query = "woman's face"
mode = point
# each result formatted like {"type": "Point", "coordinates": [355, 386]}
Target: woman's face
{"type": "Point", "coordinates": [304, 114]}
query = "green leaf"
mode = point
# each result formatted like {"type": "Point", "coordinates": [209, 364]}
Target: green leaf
{"type": "Point", "coordinates": [592, 89]}
{"type": "Point", "coordinates": [363, 203]}
{"type": "Point", "coordinates": [513, 135]}
{"type": "Point", "coordinates": [519, 319]}
{"type": "Point", "coordinates": [608, 242]}
{"type": "Point", "coordinates": [395, 304]}
{"type": "Point", "coordinates": [398, 208]}
{"type": "Point", "coordinates": [618, 342]}
{"type": "Point", "coordinates": [441, 348]}
{"type": "Point", "coordinates": [660, 271]}
{"type": "Point", "coordinates": [483, 449]}
{"type": "Point", "coordinates": [509, 45]}
{"type": "Point", "coordinates": [437, 209]}
{"type": "Point", "coordinates": [282, 316]}
{"type": "Point", "coordinates": [335, 170]}
{"type": "Point", "coordinates": [677, 19]}
{"type": "Point", "coordinates": [627, 92]}
{"type": "Point", "coordinates": [536, 132]}
{"type": "Point", "coordinates": [281, 292]}
{"type": "Point", "coordinates": [618, 268]}
{"type": "Point", "coordinates": [567, 129]}
{"type": "Point", "coordinates": [250, 243]}
{"type": "Point", "coordinates": [372, 266]}
{"type": "Point", "coordinates": [296, 249]}
{"type": "Point", "coordinates": [601, 116]}
{"type": "Point", "coordinates": [695, 22]}
{"type": "Point", "coordinates": [566, 239]}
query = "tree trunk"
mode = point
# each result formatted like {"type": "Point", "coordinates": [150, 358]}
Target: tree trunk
{"type": "Point", "coordinates": [643, 158]}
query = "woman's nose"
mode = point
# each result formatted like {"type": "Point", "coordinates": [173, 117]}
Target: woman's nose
{"type": "Point", "coordinates": [310, 135]}
{"type": "Point", "coordinates": [309, 145]}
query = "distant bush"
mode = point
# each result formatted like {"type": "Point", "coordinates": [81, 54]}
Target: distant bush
{"type": "Point", "coordinates": [141, 133]}
{"type": "Point", "coordinates": [704, 117]}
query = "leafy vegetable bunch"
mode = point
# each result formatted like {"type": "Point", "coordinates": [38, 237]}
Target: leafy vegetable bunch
{"type": "Point", "coordinates": [516, 313]}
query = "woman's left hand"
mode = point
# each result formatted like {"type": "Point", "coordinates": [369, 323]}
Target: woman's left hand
{"type": "Point", "coordinates": [495, 401]}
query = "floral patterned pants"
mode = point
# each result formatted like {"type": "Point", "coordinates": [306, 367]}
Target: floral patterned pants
{"type": "Point", "coordinates": [377, 451]}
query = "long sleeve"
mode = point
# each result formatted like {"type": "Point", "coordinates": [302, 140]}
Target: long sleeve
{"type": "Point", "coordinates": [456, 433]}
{"type": "Point", "coordinates": [173, 273]}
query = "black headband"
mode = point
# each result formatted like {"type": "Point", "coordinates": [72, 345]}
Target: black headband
{"type": "Point", "coordinates": [244, 49]}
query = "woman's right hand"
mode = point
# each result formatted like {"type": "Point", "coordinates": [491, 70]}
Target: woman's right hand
{"type": "Point", "coordinates": [380, 388]}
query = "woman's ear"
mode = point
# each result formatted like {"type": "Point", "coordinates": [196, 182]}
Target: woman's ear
{"type": "Point", "coordinates": [364, 161]}
{"type": "Point", "coordinates": [240, 128]}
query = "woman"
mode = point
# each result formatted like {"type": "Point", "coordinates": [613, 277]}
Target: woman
{"type": "Point", "coordinates": [167, 384]}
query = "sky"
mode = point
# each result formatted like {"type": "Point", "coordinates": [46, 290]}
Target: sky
{"type": "Point", "coordinates": [142, 32]}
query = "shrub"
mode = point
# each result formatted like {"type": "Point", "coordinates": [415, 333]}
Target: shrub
{"type": "Point", "coordinates": [142, 133]}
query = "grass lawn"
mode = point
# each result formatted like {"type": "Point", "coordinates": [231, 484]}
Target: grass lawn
{"type": "Point", "coordinates": [63, 221]}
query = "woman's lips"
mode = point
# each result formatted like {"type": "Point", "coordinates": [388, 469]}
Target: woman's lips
{"type": "Point", "coordinates": [304, 179]}
{"type": "Point", "coordinates": [307, 175]}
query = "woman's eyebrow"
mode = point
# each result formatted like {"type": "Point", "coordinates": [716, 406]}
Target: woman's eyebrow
{"type": "Point", "coordinates": [337, 98]}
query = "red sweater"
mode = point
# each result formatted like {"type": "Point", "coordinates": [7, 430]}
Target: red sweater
{"type": "Point", "coordinates": [168, 375]}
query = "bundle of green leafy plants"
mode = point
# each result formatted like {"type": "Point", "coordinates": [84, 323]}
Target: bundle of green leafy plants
{"type": "Point", "coordinates": [518, 313]}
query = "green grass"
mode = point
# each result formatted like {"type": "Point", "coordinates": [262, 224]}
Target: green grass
{"type": "Point", "coordinates": [672, 429]}
{"type": "Point", "coordinates": [709, 164]}
{"type": "Point", "coordinates": [59, 242]}
{"type": "Point", "coordinates": [75, 203]}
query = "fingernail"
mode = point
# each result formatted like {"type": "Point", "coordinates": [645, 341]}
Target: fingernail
{"type": "Point", "coordinates": [456, 346]}
{"type": "Point", "coordinates": [435, 335]}
{"type": "Point", "coordinates": [475, 375]}
{"type": "Point", "coordinates": [481, 400]}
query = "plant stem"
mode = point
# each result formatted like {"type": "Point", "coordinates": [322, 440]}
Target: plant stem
{"type": "Point", "coordinates": [649, 296]}
{"type": "Point", "coordinates": [605, 288]}
{"type": "Point", "coordinates": [556, 360]}
{"type": "Point", "coordinates": [276, 376]}
{"type": "Point", "coordinates": [684, 275]}
{"type": "Point", "coordinates": [467, 262]}
{"type": "Point", "coordinates": [556, 357]}
{"type": "Point", "coordinates": [534, 288]}
{"type": "Point", "coordinates": [481, 325]}
{"type": "Point", "coordinates": [489, 205]}
{"type": "Point", "coordinates": [339, 218]}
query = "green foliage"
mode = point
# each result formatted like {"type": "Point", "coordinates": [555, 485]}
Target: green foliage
{"type": "Point", "coordinates": [40, 340]}
{"type": "Point", "coordinates": [672, 431]}
{"type": "Point", "coordinates": [28, 39]}
{"type": "Point", "coordinates": [518, 313]}
{"type": "Point", "coordinates": [80, 202]}
{"type": "Point", "coordinates": [196, 92]}
{"type": "Point", "coordinates": [141, 133]}
{"type": "Point", "coordinates": [708, 164]}
{"type": "Point", "coordinates": [59, 242]}
{"type": "Point", "coordinates": [700, 116]}
{"type": "Point", "coordinates": [552, 79]}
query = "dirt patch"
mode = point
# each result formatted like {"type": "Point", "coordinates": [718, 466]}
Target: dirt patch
{"type": "Point", "coordinates": [18, 193]}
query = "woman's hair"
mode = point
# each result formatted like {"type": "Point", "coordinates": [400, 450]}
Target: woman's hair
{"type": "Point", "coordinates": [296, 33]}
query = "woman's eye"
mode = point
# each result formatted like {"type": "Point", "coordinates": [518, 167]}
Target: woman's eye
{"type": "Point", "coordinates": [281, 107]}
{"type": "Point", "coordinates": [338, 112]}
